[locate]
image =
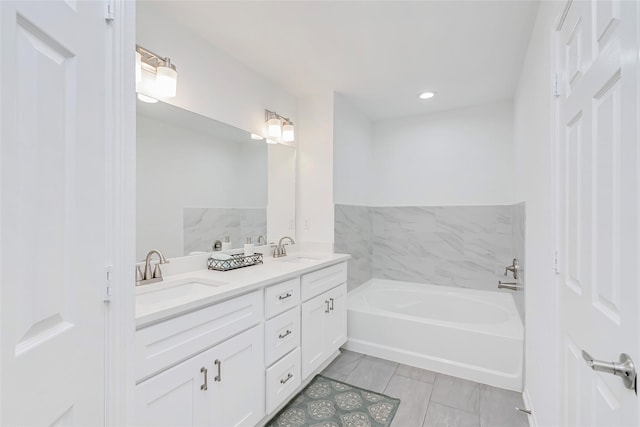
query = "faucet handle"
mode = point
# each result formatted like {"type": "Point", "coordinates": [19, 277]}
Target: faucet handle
{"type": "Point", "coordinates": [139, 274]}
{"type": "Point", "coordinates": [157, 273]}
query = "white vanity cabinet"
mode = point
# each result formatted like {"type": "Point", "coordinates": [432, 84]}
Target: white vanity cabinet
{"type": "Point", "coordinates": [236, 362]}
{"type": "Point", "coordinates": [204, 389]}
{"type": "Point", "coordinates": [324, 316]}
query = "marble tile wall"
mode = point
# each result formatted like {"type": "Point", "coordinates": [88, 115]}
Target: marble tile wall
{"type": "Point", "coordinates": [203, 226]}
{"type": "Point", "coordinates": [353, 235]}
{"type": "Point", "coordinates": [465, 246]}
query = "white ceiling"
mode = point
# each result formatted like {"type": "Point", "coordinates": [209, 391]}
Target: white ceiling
{"type": "Point", "coordinates": [380, 55]}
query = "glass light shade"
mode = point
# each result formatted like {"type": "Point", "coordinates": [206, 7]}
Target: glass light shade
{"type": "Point", "coordinates": [288, 133]}
{"type": "Point", "coordinates": [166, 82]}
{"type": "Point", "coordinates": [138, 68]}
{"type": "Point", "coordinates": [274, 128]}
{"type": "Point", "coordinates": [147, 99]}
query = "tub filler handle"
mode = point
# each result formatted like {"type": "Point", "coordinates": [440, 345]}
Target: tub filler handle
{"type": "Point", "coordinates": [513, 286]}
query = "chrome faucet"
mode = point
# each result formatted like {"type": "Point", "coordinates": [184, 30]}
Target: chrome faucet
{"type": "Point", "coordinates": [280, 250]}
{"type": "Point", "coordinates": [262, 239]}
{"type": "Point", "coordinates": [148, 277]}
{"type": "Point", "coordinates": [514, 268]}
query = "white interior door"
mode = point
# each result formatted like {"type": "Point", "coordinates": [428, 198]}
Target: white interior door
{"type": "Point", "coordinates": [53, 212]}
{"type": "Point", "coordinates": [597, 188]}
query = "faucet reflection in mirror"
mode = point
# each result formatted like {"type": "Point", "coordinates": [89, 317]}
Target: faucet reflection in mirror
{"type": "Point", "coordinates": [156, 76]}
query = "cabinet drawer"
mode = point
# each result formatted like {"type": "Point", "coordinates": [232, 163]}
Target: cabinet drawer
{"type": "Point", "coordinates": [281, 297]}
{"type": "Point", "coordinates": [322, 280]}
{"type": "Point", "coordinates": [282, 379]}
{"type": "Point", "coordinates": [282, 334]}
{"type": "Point", "coordinates": [168, 343]}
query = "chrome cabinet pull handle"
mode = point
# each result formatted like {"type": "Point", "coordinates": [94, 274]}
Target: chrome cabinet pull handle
{"type": "Point", "coordinates": [289, 376]}
{"type": "Point", "coordinates": [331, 299]}
{"type": "Point", "coordinates": [327, 309]}
{"type": "Point", "coordinates": [203, 370]}
{"type": "Point", "coordinates": [218, 377]}
{"type": "Point", "coordinates": [285, 296]}
{"type": "Point", "coordinates": [286, 334]}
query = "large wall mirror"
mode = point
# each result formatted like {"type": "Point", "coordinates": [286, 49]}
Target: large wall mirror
{"type": "Point", "coordinates": [200, 181]}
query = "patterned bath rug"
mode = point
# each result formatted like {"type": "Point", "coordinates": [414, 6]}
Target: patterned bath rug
{"type": "Point", "coordinates": [329, 403]}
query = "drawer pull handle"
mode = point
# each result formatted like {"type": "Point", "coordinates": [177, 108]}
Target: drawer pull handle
{"type": "Point", "coordinates": [331, 299]}
{"type": "Point", "coordinates": [285, 296]}
{"type": "Point", "coordinates": [327, 303]}
{"type": "Point", "coordinates": [203, 370]}
{"type": "Point", "coordinates": [218, 377]}
{"type": "Point", "coordinates": [286, 334]}
{"type": "Point", "coordinates": [289, 376]}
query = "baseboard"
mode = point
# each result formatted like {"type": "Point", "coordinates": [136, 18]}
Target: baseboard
{"type": "Point", "coordinates": [527, 404]}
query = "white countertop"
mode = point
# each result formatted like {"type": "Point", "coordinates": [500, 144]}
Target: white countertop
{"type": "Point", "coordinates": [220, 285]}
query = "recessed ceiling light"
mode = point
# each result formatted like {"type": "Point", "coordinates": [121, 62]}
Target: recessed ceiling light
{"type": "Point", "coordinates": [426, 95]}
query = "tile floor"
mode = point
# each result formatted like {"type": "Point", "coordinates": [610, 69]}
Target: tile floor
{"type": "Point", "coordinates": [429, 399]}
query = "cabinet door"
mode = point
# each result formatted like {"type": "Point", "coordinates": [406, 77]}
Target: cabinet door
{"type": "Point", "coordinates": [336, 327]}
{"type": "Point", "coordinates": [314, 313]}
{"type": "Point", "coordinates": [236, 380]}
{"type": "Point", "coordinates": [175, 397]}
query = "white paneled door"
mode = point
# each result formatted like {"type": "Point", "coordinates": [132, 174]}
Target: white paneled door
{"type": "Point", "coordinates": [598, 204]}
{"type": "Point", "coordinates": [53, 192]}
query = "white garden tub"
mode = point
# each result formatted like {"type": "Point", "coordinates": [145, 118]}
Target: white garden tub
{"type": "Point", "coordinates": [466, 333]}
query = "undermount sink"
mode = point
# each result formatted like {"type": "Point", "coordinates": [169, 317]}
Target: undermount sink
{"type": "Point", "coordinates": [299, 259]}
{"type": "Point", "coordinates": [166, 295]}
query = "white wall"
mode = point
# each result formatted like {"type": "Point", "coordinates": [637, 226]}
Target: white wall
{"type": "Point", "coordinates": [457, 157]}
{"type": "Point", "coordinates": [210, 82]}
{"type": "Point", "coordinates": [534, 165]}
{"type": "Point", "coordinates": [178, 168]}
{"type": "Point", "coordinates": [352, 154]}
{"type": "Point", "coordinates": [315, 172]}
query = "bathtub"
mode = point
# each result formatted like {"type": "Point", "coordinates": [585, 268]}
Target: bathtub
{"type": "Point", "coordinates": [467, 333]}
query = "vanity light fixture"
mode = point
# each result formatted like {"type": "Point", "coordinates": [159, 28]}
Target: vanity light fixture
{"type": "Point", "coordinates": [279, 127]}
{"type": "Point", "coordinates": [426, 95]}
{"type": "Point", "coordinates": [156, 76]}
{"type": "Point", "coordinates": [288, 131]}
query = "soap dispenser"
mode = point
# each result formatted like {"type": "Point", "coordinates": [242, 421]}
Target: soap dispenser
{"type": "Point", "coordinates": [226, 245]}
{"type": "Point", "coordinates": [248, 247]}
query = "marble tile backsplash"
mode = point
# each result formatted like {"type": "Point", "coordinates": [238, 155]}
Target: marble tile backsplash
{"type": "Point", "coordinates": [465, 246]}
{"type": "Point", "coordinates": [203, 226]}
{"type": "Point", "coordinates": [353, 235]}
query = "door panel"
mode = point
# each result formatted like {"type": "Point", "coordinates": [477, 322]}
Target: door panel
{"type": "Point", "coordinates": [53, 217]}
{"type": "Point", "coordinates": [597, 187]}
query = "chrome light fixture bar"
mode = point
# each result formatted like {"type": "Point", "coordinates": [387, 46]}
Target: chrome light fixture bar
{"type": "Point", "coordinates": [156, 76]}
{"type": "Point", "coordinates": [279, 126]}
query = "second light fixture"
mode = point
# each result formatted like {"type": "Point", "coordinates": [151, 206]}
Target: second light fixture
{"type": "Point", "coordinates": [279, 127]}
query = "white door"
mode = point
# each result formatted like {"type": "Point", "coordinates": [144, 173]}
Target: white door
{"type": "Point", "coordinates": [597, 188]}
{"type": "Point", "coordinates": [336, 328]}
{"type": "Point", "coordinates": [237, 369]}
{"type": "Point", "coordinates": [53, 212]}
{"type": "Point", "coordinates": [177, 397]}
{"type": "Point", "coordinates": [314, 350]}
